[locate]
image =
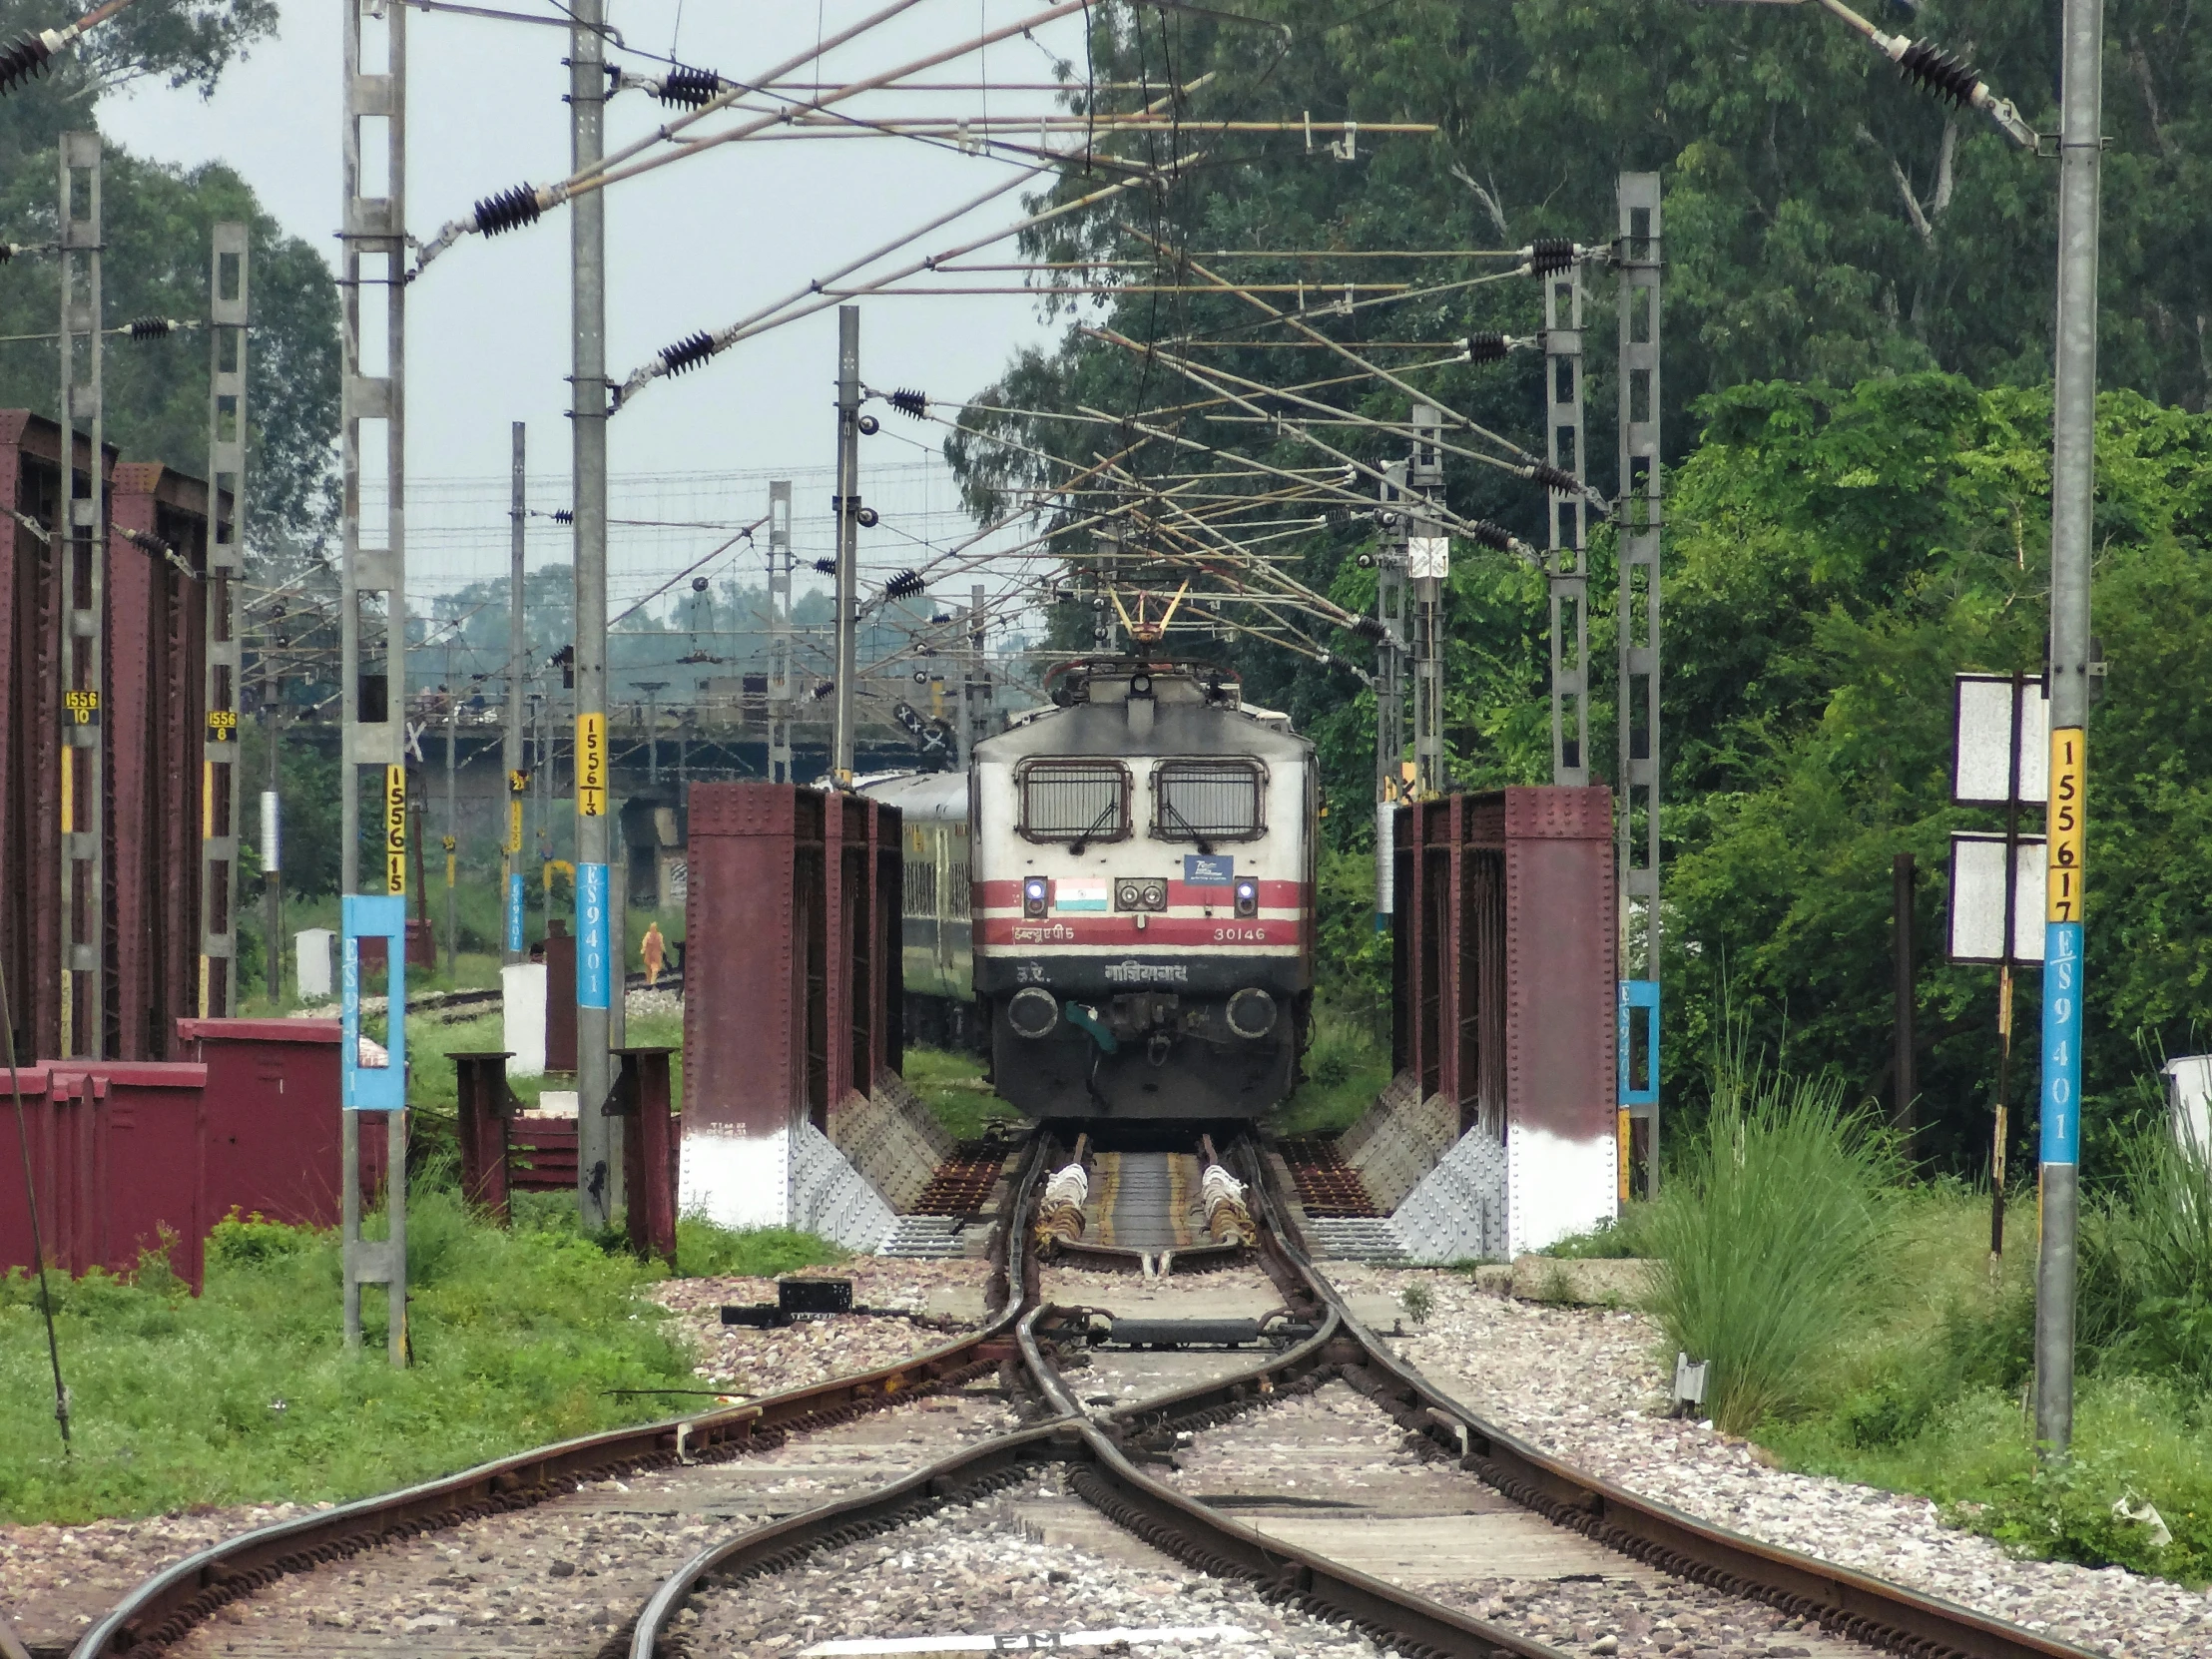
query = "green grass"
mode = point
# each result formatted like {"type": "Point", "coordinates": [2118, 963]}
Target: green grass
{"type": "Point", "coordinates": [1862, 1329]}
{"type": "Point", "coordinates": [1769, 1234]}
{"type": "Point", "coordinates": [247, 1395]}
{"type": "Point", "coordinates": [1930, 1395]}
{"type": "Point", "coordinates": [704, 1250]}
{"type": "Point", "coordinates": [1627, 1237]}
{"type": "Point", "coordinates": [430, 1039]}
{"type": "Point", "coordinates": [482, 929]}
{"type": "Point", "coordinates": [1345, 1068]}
{"type": "Point", "coordinates": [951, 1085]}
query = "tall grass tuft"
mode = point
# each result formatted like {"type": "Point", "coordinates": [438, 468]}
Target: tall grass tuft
{"type": "Point", "coordinates": [1769, 1232]}
{"type": "Point", "coordinates": [2147, 1260]}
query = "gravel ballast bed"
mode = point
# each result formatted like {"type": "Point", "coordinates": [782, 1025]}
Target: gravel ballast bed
{"type": "Point", "coordinates": [50, 1576]}
{"type": "Point", "coordinates": [970, 1569]}
{"type": "Point", "coordinates": [561, 1578]}
{"type": "Point", "coordinates": [1267, 1449]}
{"type": "Point", "coordinates": [1583, 1383]}
{"type": "Point", "coordinates": [751, 1362]}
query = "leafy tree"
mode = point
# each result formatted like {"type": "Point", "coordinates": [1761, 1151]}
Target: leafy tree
{"type": "Point", "coordinates": [1855, 341]}
{"type": "Point", "coordinates": [158, 220]}
{"type": "Point", "coordinates": [1824, 222]}
{"type": "Point", "coordinates": [1836, 557]}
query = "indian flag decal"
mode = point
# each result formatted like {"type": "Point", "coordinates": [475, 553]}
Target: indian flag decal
{"type": "Point", "coordinates": [1079, 895]}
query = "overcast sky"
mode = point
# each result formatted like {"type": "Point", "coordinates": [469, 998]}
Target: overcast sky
{"type": "Point", "coordinates": [693, 246]}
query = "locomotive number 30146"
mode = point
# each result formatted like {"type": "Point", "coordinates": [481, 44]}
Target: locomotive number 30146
{"type": "Point", "coordinates": [1240, 935]}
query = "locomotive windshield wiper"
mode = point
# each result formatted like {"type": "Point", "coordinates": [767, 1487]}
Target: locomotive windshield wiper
{"type": "Point", "coordinates": [1097, 823]}
{"type": "Point", "coordinates": [1205, 849]}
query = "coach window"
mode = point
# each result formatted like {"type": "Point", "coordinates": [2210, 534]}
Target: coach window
{"type": "Point", "coordinates": [1208, 800]}
{"type": "Point", "coordinates": [1072, 801]}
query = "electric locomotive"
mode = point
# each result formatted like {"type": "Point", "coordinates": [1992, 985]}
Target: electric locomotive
{"type": "Point", "coordinates": [1143, 889]}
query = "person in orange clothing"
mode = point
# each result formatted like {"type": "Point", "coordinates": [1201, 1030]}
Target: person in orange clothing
{"type": "Point", "coordinates": [655, 953]}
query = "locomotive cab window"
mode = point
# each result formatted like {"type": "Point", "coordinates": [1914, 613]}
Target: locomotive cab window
{"type": "Point", "coordinates": [1208, 800]}
{"type": "Point", "coordinates": [1073, 801]}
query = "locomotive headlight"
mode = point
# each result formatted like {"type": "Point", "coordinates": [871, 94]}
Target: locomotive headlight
{"type": "Point", "coordinates": [1140, 893]}
{"type": "Point", "coordinates": [1252, 1012]}
{"type": "Point", "coordinates": [1036, 896]}
{"type": "Point", "coordinates": [1032, 1011]}
{"type": "Point", "coordinates": [1248, 898]}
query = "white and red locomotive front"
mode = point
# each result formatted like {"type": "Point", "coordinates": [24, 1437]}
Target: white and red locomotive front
{"type": "Point", "coordinates": [1144, 898]}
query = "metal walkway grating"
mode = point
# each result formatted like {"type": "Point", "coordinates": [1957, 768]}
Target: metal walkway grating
{"type": "Point", "coordinates": [931, 1237]}
{"type": "Point", "coordinates": [1355, 1239]}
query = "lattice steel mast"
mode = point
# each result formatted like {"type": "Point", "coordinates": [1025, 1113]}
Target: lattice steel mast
{"type": "Point", "coordinates": [372, 593]}
{"type": "Point", "coordinates": [1566, 572]}
{"type": "Point", "coordinates": [81, 558]}
{"type": "Point", "coordinates": [780, 687]}
{"type": "Point", "coordinates": [1639, 519]}
{"type": "Point", "coordinates": [220, 776]}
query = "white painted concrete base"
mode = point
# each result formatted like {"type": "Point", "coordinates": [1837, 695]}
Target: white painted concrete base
{"type": "Point", "coordinates": [1556, 1186]}
{"type": "Point", "coordinates": [734, 1179]}
{"type": "Point", "coordinates": [522, 1006]}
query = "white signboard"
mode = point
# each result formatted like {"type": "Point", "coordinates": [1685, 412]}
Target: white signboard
{"type": "Point", "coordinates": [2189, 1096]}
{"type": "Point", "coordinates": [1977, 898]}
{"type": "Point", "coordinates": [1427, 556]}
{"type": "Point", "coordinates": [1982, 727]}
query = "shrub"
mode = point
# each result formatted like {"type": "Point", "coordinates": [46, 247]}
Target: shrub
{"type": "Point", "coordinates": [1623, 1238]}
{"type": "Point", "coordinates": [1769, 1232]}
{"type": "Point", "coordinates": [244, 1240]}
{"type": "Point", "coordinates": [2146, 1283]}
{"type": "Point", "coordinates": [704, 1250]}
{"type": "Point", "coordinates": [2136, 1445]}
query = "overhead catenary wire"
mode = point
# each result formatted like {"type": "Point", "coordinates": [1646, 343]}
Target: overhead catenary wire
{"type": "Point", "coordinates": [697, 349]}
{"type": "Point", "coordinates": [1336, 307]}
{"type": "Point", "coordinates": [745, 534]}
{"type": "Point", "coordinates": [689, 351]}
{"type": "Point", "coordinates": [139, 329]}
{"type": "Point", "coordinates": [522, 205]}
{"type": "Point", "coordinates": [506, 210]}
{"type": "Point", "coordinates": [1541, 472]}
{"type": "Point", "coordinates": [1476, 529]}
{"type": "Point", "coordinates": [1293, 592]}
{"type": "Point", "coordinates": [1543, 253]}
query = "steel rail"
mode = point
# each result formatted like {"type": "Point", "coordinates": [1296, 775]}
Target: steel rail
{"type": "Point", "coordinates": [1104, 1473]}
{"type": "Point", "coordinates": [672, 979]}
{"type": "Point", "coordinates": [1846, 1602]}
{"type": "Point", "coordinates": [162, 1607]}
{"type": "Point", "coordinates": [1104, 1477]}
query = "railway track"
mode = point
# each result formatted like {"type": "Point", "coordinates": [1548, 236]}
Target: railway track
{"type": "Point", "coordinates": [1246, 1424]}
{"type": "Point", "coordinates": [467, 1003]}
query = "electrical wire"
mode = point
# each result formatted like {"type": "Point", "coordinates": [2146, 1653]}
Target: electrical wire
{"type": "Point", "coordinates": [1314, 335]}
{"type": "Point", "coordinates": [694, 349]}
{"type": "Point", "coordinates": [521, 205]}
{"type": "Point", "coordinates": [1210, 377]}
